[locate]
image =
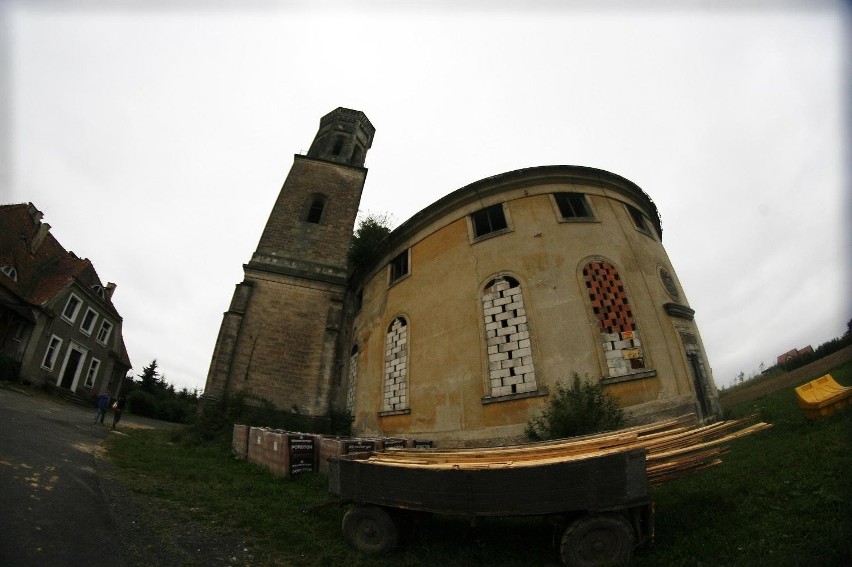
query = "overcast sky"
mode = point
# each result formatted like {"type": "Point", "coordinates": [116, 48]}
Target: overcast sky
{"type": "Point", "coordinates": [155, 138]}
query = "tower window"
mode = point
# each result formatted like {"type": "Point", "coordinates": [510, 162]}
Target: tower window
{"type": "Point", "coordinates": [573, 206]}
{"type": "Point", "coordinates": [399, 267]}
{"type": "Point", "coordinates": [315, 212]}
{"type": "Point", "coordinates": [338, 146]}
{"type": "Point", "coordinates": [357, 155]}
{"type": "Point", "coordinates": [488, 220]}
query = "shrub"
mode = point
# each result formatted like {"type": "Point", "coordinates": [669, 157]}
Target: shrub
{"type": "Point", "coordinates": [142, 403]}
{"type": "Point", "coordinates": [580, 410]}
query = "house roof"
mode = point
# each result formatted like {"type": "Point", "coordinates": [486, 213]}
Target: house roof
{"type": "Point", "coordinates": [44, 267]}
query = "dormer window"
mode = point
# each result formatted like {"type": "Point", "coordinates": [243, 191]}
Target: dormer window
{"type": "Point", "coordinates": [316, 209]}
{"type": "Point", "coordinates": [98, 289]}
{"type": "Point", "coordinates": [10, 272]}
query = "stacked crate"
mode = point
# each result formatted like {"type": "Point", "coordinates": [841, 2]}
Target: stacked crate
{"type": "Point", "coordinates": [337, 446]}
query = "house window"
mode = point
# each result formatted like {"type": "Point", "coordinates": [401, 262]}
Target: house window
{"type": "Point", "coordinates": [10, 272]}
{"type": "Point", "coordinates": [315, 212]}
{"type": "Point", "coordinates": [395, 394]}
{"type": "Point", "coordinates": [488, 221]}
{"type": "Point", "coordinates": [507, 338]}
{"type": "Point", "coordinates": [52, 351]}
{"type": "Point", "coordinates": [103, 333]}
{"type": "Point", "coordinates": [638, 219]}
{"type": "Point", "coordinates": [71, 308]}
{"type": "Point", "coordinates": [92, 373]}
{"type": "Point", "coordinates": [399, 267]}
{"type": "Point", "coordinates": [616, 322]}
{"type": "Point", "coordinates": [573, 206]}
{"type": "Point", "coordinates": [89, 321]}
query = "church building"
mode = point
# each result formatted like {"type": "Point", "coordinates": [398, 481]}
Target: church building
{"type": "Point", "coordinates": [469, 312]}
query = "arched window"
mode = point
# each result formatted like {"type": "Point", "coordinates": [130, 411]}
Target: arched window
{"type": "Point", "coordinates": [353, 375]}
{"type": "Point", "coordinates": [357, 155]}
{"type": "Point", "coordinates": [616, 321]}
{"type": "Point", "coordinates": [316, 209]}
{"type": "Point", "coordinates": [10, 272]}
{"type": "Point", "coordinates": [395, 394]}
{"type": "Point", "coordinates": [338, 145]}
{"type": "Point", "coordinates": [507, 338]}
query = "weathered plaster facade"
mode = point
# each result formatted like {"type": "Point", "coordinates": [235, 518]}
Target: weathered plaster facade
{"type": "Point", "coordinates": [469, 312]}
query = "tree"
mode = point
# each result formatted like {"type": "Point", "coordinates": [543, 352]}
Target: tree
{"type": "Point", "coordinates": [150, 378]}
{"type": "Point", "coordinates": [582, 409]}
{"type": "Point", "coordinates": [370, 232]}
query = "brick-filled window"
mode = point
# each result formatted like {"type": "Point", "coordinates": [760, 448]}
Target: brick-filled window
{"type": "Point", "coordinates": [507, 338]}
{"type": "Point", "coordinates": [616, 321]}
{"type": "Point", "coordinates": [488, 220]}
{"type": "Point", "coordinates": [573, 206]}
{"type": "Point", "coordinates": [353, 376]}
{"type": "Point", "coordinates": [395, 394]}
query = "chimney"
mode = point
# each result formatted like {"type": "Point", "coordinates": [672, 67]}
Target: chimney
{"type": "Point", "coordinates": [38, 239]}
{"type": "Point", "coordinates": [109, 290]}
{"type": "Point", "coordinates": [35, 214]}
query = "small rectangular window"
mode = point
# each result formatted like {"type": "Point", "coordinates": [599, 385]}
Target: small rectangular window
{"type": "Point", "coordinates": [103, 333]}
{"type": "Point", "coordinates": [573, 206]}
{"type": "Point", "coordinates": [52, 351]}
{"type": "Point", "coordinates": [638, 219]}
{"type": "Point", "coordinates": [399, 267]}
{"type": "Point", "coordinates": [89, 321]}
{"type": "Point", "coordinates": [488, 220]}
{"type": "Point", "coordinates": [71, 308]}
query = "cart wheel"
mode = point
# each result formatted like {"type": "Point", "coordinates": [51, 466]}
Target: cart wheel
{"type": "Point", "coordinates": [369, 529]}
{"type": "Point", "coordinates": [598, 539]}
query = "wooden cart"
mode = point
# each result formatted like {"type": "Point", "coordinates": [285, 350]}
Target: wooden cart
{"type": "Point", "coordinates": [601, 500]}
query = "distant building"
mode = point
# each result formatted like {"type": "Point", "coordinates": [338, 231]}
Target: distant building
{"type": "Point", "coordinates": [469, 312]}
{"type": "Point", "coordinates": [57, 319]}
{"type": "Point", "coordinates": [796, 352]}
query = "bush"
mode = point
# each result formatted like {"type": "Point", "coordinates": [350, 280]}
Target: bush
{"type": "Point", "coordinates": [580, 410]}
{"type": "Point", "coordinates": [142, 403]}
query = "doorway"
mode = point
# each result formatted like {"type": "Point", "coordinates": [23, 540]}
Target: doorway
{"type": "Point", "coordinates": [698, 383]}
{"type": "Point", "coordinates": [71, 369]}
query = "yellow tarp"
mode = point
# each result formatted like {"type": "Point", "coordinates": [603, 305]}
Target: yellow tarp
{"type": "Point", "coordinates": [822, 397]}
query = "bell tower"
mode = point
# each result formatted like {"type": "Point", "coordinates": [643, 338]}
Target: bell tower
{"type": "Point", "coordinates": [278, 339]}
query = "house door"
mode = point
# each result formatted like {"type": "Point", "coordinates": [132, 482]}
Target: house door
{"type": "Point", "coordinates": [72, 366]}
{"type": "Point", "coordinates": [697, 382]}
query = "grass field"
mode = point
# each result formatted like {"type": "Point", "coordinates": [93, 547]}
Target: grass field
{"type": "Point", "coordinates": [782, 497]}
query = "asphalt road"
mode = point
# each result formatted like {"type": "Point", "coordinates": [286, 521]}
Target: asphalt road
{"type": "Point", "coordinates": [53, 508]}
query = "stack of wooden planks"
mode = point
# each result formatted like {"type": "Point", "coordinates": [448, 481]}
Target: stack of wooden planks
{"type": "Point", "coordinates": [675, 447]}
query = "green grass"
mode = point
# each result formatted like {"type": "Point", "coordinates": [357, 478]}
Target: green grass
{"type": "Point", "coordinates": [782, 497]}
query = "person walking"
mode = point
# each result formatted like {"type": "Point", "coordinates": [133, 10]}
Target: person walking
{"type": "Point", "coordinates": [117, 409]}
{"type": "Point", "coordinates": [103, 405]}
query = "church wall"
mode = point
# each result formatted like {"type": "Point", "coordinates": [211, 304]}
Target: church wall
{"type": "Point", "coordinates": [441, 299]}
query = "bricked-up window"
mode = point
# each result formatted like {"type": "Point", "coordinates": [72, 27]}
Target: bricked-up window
{"type": "Point", "coordinates": [507, 338]}
{"type": "Point", "coordinates": [316, 209]}
{"type": "Point", "coordinates": [616, 321]}
{"type": "Point", "coordinates": [638, 219]}
{"type": "Point", "coordinates": [395, 394]}
{"type": "Point", "coordinates": [488, 220]}
{"type": "Point", "coordinates": [353, 376]}
{"type": "Point", "coordinates": [51, 352]}
{"type": "Point", "coordinates": [573, 206]}
{"type": "Point", "coordinates": [399, 267]}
